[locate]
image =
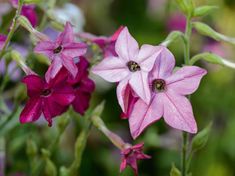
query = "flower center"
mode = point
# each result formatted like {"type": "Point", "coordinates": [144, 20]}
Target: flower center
{"type": "Point", "coordinates": [57, 50]}
{"type": "Point", "coordinates": [77, 85]}
{"type": "Point", "coordinates": [159, 85]}
{"type": "Point", "coordinates": [46, 92]}
{"type": "Point", "coordinates": [133, 66]}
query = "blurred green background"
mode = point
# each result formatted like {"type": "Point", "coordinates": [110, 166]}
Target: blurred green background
{"type": "Point", "coordinates": [149, 21]}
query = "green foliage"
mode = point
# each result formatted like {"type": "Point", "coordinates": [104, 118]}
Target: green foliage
{"type": "Point", "coordinates": [175, 171]}
{"type": "Point", "coordinates": [203, 10]}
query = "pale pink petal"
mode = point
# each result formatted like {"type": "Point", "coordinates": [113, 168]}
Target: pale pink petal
{"type": "Point", "coordinates": [31, 111]}
{"type": "Point", "coordinates": [144, 115]}
{"type": "Point", "coordinates": [164, 65]}
{"type": "Point", "coordinates": [139, 83]}
{"type": "Point", "coordinates": [121, 91]}
{"type": "Point", "coordinates": [66, 36]}
{"type": "Point", "coordinates": [186, 80]}
{"type": "Point", "coordinates": [46, 48]}
{"type": "Point", "coordinates": [111, 69]}
{"type": "Point", "coordinates": [178, 112]}
{"type": "Point", "coordinates": [126, 46]}
{"type": "Point", "coordinates": [148, 55]}
{"type": "Point", "coordinates": [69, 64]}
{"type": "Point", "coordinates": [74, 49]}
{"type": "Point", "coordinates": [54, 68]}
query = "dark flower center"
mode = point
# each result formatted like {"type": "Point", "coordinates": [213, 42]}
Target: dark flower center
{"type": "Point", "coordinates": [133, 66]}
{"type": "Point", "coordinates": [159, 85]}
{"type": "Point", "coordinates": [57, 50]}
{"type": "Point", "coordinates": [46, 92]}
{"type": "Point", "coordinates": [77, 85]}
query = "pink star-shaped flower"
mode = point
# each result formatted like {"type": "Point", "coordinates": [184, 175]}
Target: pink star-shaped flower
{"type": "Point", "coordinates": [61, 52]}
{"type": "Point", "coordinates": [168, 96]}
{"type": "Point", "coordinates": [51, 99]}
{"type": "Point", "coordinates": [131, 66]}
{"type": "Point", "coordinates": [130, 156]}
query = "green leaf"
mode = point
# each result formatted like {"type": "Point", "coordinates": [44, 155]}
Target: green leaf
{"type": "Point", "coordinates": [31, 148]}
{"type": "Point", "coordinates": [206, 30]}
{"type": "Point", "coordinates": [203, 10]}
{"type": "Point", "coordinates": [32, 1]}
{"type": "Point", "coordinates": [174, 35]}
{"type": "Point", "coordinates": [200, 140]}
{"type": "Point", "coordinates": [186, 6]}
{"type": "Point", "coordinates": [175, 171]}
{"type": "Point", "coordinates": [209, 57]}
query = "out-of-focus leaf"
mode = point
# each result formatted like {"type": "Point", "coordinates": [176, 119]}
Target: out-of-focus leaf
{"type": "Point", "coordinates": [203, 10]}
{"type": "Point", "coordinates": [175, 171]}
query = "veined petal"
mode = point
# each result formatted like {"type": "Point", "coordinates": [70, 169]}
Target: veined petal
{"type": "Point", "coordinates": [178, 112]}
{"type": "Point", "coordinates": [121, 94]}
{"type": "Point", "coordinates": [31, 111]}
{"type": "Point", "coordinates": [46, 48]}
{"type": "Point", "coordinates": [186, 80]}
{"type": "Point", "coordinates": [69, 64]}
{"type": "Point", "coordinates": [74, 49]}
{"type": "Point", "coordinates": [111, 69]}
{"type": "Point", "coordinates": [148, 55]}
{"type": "Point", "coordinates": [63, 95]}
{"type": "Point", "coordinates": [34, 84]}
{"type": "Point", "coordinates": [54, 68]}
{"type": "Point", "coordinates": [126, 46]}
{"type": "Point", "coordinates": [67, 36]}
{"type": "Point", "coordinates": [164, 65]}
{"type": "Point", "coordinates": [144, 115]}
{"type": "Point", "coordinates": [139, 83]}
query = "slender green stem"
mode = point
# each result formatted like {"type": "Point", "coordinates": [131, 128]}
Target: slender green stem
{"type": "Point", "coordinates": [13, 28]}
{"type": "Point", "coordinates": [185, 136]}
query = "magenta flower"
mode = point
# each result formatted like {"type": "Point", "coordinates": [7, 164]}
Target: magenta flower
{"type": "Point", "coordinates": [83, 87]}
{"type": "Point", "coordinates": [28, 11]}
{"type": "Point", "coordinates": [176, 21]}
{"type": "Point", "coordinates": [168, 97]}
{"type": "Point", "coordinates": [51, 99]}
{"type": "Point", "coordinates": [61, 52]}
{"type": "Point", "coordinates": [132, 66]}
{"type": "Point", "coordinates": [2, 40]}
{"type": "Point", "coordinates": [130, 156]}
{"type": "Point", "coordinates": [107, 44]}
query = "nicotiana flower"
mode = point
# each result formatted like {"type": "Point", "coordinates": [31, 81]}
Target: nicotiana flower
{"type": "Point", "coordinates": [176, 21]}
{"type": "Point", "coordinates": [83, 86]}
{"type": "Point", "coordinates": [51, 99]}
{"type": "Point", "coordinates": [131, 66]}
{"type": "Point", "coordinates": [2, 41]}
{"type": "Point", "coordinates": [107, 44]}
{"type": "Point", "coordinates": [168, 96]}
{"type": "Point", "coordinates": [61, 52]}
{"type": "Point", "coordinates": [130, 156]}
{"type": "Point", "coordinates": [28, 11]}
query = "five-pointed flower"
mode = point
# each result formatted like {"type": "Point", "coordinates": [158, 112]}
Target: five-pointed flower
{"type": "Point", "coordinates": [51, 99]}
{"type": "Point", "coordinates": [131, 66]}
{"type": "Point", "coordinates": [130, 156]}
{"type": "Point", "coordinates": [61, 52]}
{"type": "Point", "coordinates": [168, 96]}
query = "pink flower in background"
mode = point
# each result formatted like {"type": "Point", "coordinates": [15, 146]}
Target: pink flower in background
{"type": "Point", "coordinates": [51, 99]}
{"type": "Point", "coordinates": [131, 155]}
{"type": "Point", "coordinates": [28, 11]}
{"type": "Point", "coordinates": [168, 96]}
{"type": "Point", "coordinates": [131, 66]}
{"type": "Point", "coordinates": [176, 21]}
{"type": "Point", "coordinates": [107, 44]}
{"type": "Point", "coordinates": [83, 87]}
{"type": "Point", "coordinates": [62, 52]}
{"type": "Point", "coordinates": [2, 40]}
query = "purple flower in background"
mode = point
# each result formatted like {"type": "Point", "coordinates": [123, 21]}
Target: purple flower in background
{"type": "Point", "coordinates": [2, 41]}
{"type": "Point", "coordinates": [28, 11]}
{"type": "Point", "coordinates": [168, 96]}
{"type": "Point", "coordinates": [130, 156]}
{"type": "Point", "coordinates": [132, 66]}
{"type": "Point", "coordinates": [83, 86]}
{"type": "Point", "coordinates": [51, 99]}
{"type": "Point", "coordinates": [62, 52]}
{"type": "Point", "coordinates": [107, 44]}
{"type": "Point", "coordinates": [176, 21]}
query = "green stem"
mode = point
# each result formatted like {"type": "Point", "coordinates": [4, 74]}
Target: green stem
{"type": "Point", "coordinates": [13, 28]}
{"type": "Point", "coordinates": [185, 136]}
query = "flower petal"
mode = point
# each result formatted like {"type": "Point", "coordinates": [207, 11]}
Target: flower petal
{"type": "Point", "coordinates": [126, 46]}
{"type": "Point", "coordinates": [66, 36]}
{"type": "Point", "coordinates": [31, 111]}
{"type": "Point", "coordinates": [54, 68]}
{"type": "Point", "coordinates": [74, 49]}
{"type": "Point", "coordinates": [186, 80]}
{"type": "Point", "coordinates": [139, 83]}
{"type": "Point", "coordinates": [46, 48]}
{"type": "Point", "coordinates": [69, 64]}
{"type": "Point", "coordinates": [148, 55]}
{"type": "Point", "coordinates": [63, 95]}
{"type": "Point", "coordinates": [34, 85]}
{"type": "Point", "coordinates": [111, 69]}
{"type": "Point", "coordinates": [81, 102]}
{"type": "Point", "coordinates": [178, 112]}
{"type": "Point", "coordinates": [164, 65]}
{"type": "Point", "coordinates": [121, 94]}
{"type": "Point", "coordinates": [144, 115]}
